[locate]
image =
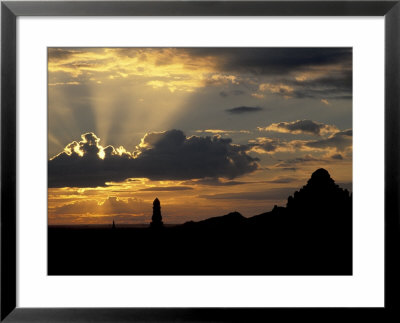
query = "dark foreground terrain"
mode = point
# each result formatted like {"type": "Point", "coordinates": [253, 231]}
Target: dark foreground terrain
{"type": "Point", "coordinates": [312, 235]}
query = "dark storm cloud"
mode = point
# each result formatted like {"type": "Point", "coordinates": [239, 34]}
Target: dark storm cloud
{"type": "Point", "coordinates": [341, 81]}
{"type": "Point", "coordinates": [168, 155]}
{"type": "Point", "coordinates": [243, 109]}
{"type": "Point", "coordinates": [313, 90]}
{"type": "Point", "coordinates": [275, 61]}
{"type": "Point", "coordinates": [333, 64]}
{"type": "Point", "coordinates": [343, 97]}
{"type": "Point", "coordinates": [334, 85]}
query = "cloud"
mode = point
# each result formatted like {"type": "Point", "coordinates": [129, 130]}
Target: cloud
{"type": "Point", "coordinates": [168, 155]}
{"type": "Point", "coordinates": [335, 83]}
{"type": "Point", "coordinates": [258, 95]}
{"type": "Point", "coordinates": [306, 159]}
{"type": "Point", "coordinates": [263, 145]}
{"type": "Point", "coordinates": [340, 141]}
{"type": "Point", "coordinates": [289, 169]}
{"type": "Point", "coordinates": [64, 83]}
{"type": "Point", "coordinates": [170, 68]}
{"type": "Point", "coordinates": [129, 210]}
{"type": "Point", "coordinates": [221, 131]}
{"type": "Point", "coordinates": [323, 73]}
{"type": "Point", "coordinates": [109, 206]}
{"type": "Point", "coordinates": [301, 127]}
{"type": "Point", "coordinates": [309, 160]}
{"type": "Point", "coordinates": [213, 182]}
{"type": "Point", "coordinates": [271, 194]}
{"type": "Point", "coordinates": [243, 109]}
{"type": "Point", "coordinates": [282, 180]}
{"type": "Point", "coordinates": [337, 156]}
{"type": "Point", "coordinates": [60, 54]}
{"type": "Point", "coordinates": [276, 88]}
{"type": "Point", "coordinates": [337, 142]}
{"type": "Point", "coordinates": [324, 82]}
{"type": "Point", "coordinates": [276, 61]}
{"type": "Point", "coordinates": [221, 79]}
{"type": "Point", "coordinates": [166, 189]}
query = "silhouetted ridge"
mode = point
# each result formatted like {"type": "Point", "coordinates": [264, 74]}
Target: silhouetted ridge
{"type": "Point", "coordinates": [274, 215]}
{"type": "Point", "coordinates": [232, 218]}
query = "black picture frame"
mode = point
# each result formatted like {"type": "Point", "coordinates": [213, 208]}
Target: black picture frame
{"type": "Point", "coordinates": [10, 10]}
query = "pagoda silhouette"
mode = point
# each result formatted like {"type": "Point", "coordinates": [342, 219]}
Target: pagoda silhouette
{"type": "Point", "coordinates": [156, 219]}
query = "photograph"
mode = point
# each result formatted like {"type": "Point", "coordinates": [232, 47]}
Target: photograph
{"type": "Point", "coordinates": [199, 161]}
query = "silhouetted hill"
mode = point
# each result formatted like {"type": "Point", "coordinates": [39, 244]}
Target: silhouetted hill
{"type": "Point", "coordinates": [270, 219]}
{"type": "Point", "coordinates": [231, 219]}
{"type": "Point", "coordinates": [312, 235]}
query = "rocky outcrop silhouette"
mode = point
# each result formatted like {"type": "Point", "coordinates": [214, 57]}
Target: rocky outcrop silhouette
{"type": "Point", "coordinates": [156, 219]}
{"type": "Point", "coordinates": [321, 196]}
{"type": "Point", "coordinates": [323, 212]}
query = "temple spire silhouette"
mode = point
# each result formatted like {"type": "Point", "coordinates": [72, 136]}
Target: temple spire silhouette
{"type": "Point", "coordinates": [156, 219]}
{"type": "Point", "coordinates": [113, 225]}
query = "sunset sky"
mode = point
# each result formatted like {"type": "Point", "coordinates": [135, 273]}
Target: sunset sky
{"type": "Point", "coordinates": [206, 130]}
